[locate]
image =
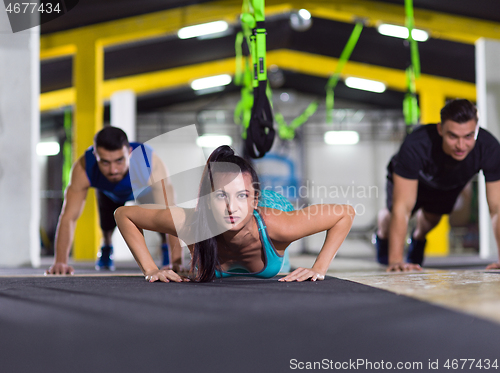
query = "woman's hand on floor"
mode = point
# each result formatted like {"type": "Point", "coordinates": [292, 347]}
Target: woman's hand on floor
{"type": "Point", "coordinates": [303, 274]}
{"type": "Point", "coordinates": [164, 275]}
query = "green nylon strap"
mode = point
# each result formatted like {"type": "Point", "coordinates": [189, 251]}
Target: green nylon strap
{"type": "Point", "coordinates": [247, 22]}
{"type": "Point", "coordinates": [287, 132]}
{"type": "Point", "coordinates": [410, 25]}
{"type": "Point", "coordinates": [243, 78]}
{"type": "Point", "coordinates": [256, 38]}
{"type": "Point", "coordinates": [245, 7]}
{"type": "Point", "coordinates": [238, 49]}
{"type": "Point", "coordinates": [258, 10]}
{"type": "Point", "coordinates": [67, 151]}
{"type": "Point", "coordinates": [261, 54]}
{"type": "Point", "coordinates": [253, 12]}
{"type": "Point", "coordinates": [410, 80]}
{"type": "Point", "coordinates": [411, 111]}
{"type": "Point", "coordinates": [334, 78]}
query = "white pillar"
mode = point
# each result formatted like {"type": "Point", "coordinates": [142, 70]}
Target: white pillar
{"type": "Point", "coordinates": [123, 115]}
{"type": "Point", "coordinates": [19, 135]}
{"type": "Point", "coordinates": [488, 104]}
{"type": "Point", "coordinates": [123, 112]}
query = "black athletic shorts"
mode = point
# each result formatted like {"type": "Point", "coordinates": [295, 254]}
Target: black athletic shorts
{"type": "Point", "coordinates": [107, 208]}
{"type": "Point", "coordinates": [434, 201]}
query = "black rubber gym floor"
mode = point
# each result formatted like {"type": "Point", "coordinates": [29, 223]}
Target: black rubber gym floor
{"type": "Point", "coordinates": [125, 324]}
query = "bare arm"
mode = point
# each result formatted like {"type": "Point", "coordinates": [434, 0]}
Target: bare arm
{"type": "Point", "coordinates": [74, 201]}
{"type": "Point", "coordinates": [493, 198]}
{"type": "Point", "coordinates": [163, 193]}
{"type": "Point", "coordinates": [131, 220]}
{"type": "Point", "coordinates": [336, 220]}
{"type": "Point", "coordinates": [403, 199]}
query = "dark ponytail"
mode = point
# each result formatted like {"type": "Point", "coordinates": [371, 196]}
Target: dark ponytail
{"type": "Point", "coordinates": [222, 152]}
{"type": "Point", "coordinates": [205, 256]}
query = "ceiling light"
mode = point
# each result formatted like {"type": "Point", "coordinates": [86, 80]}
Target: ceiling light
{"type": "Point", "coordinates": [365, 84]}
{"type": "Point", "coordinates": [419, 35]}
{"type": "Point", "coordinates": [202, 29]}
{"type": "Point", "coordinates": [47, 148]}
{"type": "Point", "coordinates": [213, 141]}
{"type": "Point", "coordinates": [301, 20]}
{"type": "Point", "coordinates": [304, 13]}
{"type": "Point", "coordinates": [402, 32]}
{"type": "Point", "coordinates": [284, 97]}
{"type": "Point", "coordinates": [341, 137]}
{"type": "Point", "coordinates": [211, 82]}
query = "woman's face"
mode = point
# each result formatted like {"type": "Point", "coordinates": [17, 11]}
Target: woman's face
{"type": "Point", "coordinates": [233, 200]}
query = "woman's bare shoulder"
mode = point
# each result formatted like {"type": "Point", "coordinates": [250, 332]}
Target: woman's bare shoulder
{"type": "Point", "coordinates": [276, 221]}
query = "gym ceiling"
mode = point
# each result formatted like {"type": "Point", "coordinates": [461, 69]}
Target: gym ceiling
{"type": "Point", "coordinates": [142, 50]}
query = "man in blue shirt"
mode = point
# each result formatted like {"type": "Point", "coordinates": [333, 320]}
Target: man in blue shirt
{"type": "Point", "coordinates": [105, 166]}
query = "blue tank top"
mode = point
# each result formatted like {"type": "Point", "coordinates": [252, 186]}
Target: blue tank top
{"type": "Point", "coordinates": [273, 262]}
{"type": "Point", "coordinates": [121, 191]}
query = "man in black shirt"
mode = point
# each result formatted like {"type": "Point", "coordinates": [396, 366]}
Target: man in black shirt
{"type": "Point", "coordinates": [433, 165]}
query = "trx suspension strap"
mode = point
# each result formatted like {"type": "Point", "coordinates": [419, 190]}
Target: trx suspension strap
{"type": "Point", "coordinates": [411, 110]}
{"type": "Point", "coordinates": [287, 132]}
{"type": "Point", "coordinates": [334, 79]}
{"type": "Point", "coordinates": [243, 78]}
{"type": "Point", "coordinates": [260, 132]}
{"type": "Point", "coordinates": [67, 156]}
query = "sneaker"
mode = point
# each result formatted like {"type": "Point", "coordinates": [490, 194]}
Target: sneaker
{"type": "Point", "coordinates": [105, 259]}
{"type": "Point", "coordinates": [416, 251]}
{"type": "Point", "coordinates": [382, 247]}
{"type": "Point", "coordinates": [166, 255]}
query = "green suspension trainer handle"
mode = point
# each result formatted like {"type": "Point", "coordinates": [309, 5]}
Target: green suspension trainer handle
{"type": "Point", "coordinates": [260, 132]}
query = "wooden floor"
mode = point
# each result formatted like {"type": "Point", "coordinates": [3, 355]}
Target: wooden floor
{"type": "Point", "coordinates": [472, 290]}
{"type": "Point", "coordinates": [476, 292]}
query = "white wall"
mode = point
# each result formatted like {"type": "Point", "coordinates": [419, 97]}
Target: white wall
{"type": "Point", "coordinates": [488, 100]}
{"type": "Point", "coordinates": [349, 174]}
{"type": "Point", "coordinates": [19, 134]}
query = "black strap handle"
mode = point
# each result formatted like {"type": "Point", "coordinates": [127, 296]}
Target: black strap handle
{"type": "Point", "coordinates": [260, 132]}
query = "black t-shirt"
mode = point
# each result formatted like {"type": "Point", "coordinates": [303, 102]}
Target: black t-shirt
{"type": "Point", "coordinates": [421, 157]}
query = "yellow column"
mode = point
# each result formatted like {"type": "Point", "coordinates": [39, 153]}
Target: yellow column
{"type": "Point", "coordinates": [88, 78]}
{"type": "Point", "coordinates": [431, 102]}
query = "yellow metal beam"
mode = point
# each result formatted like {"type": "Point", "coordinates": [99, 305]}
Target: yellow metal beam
{"type": "Point", "coordinates": [312, 64]}
{"type": "Point", "coordinates": [147, 26]}
{"type": "Point", "coordinates": [57, 99]}
{"type": "Point", "coordinates": [301, 62]}
{"type": "Point", "coordinates": [168, 79]}
{"type": "Point", "coordinates": [57, 52]}
{"type": "Point", "coordinates": [431, 100]}
{"type": "Point", "coordinates": [88, 77]}
{"type": "Point", "coordinates": [439, 25]}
